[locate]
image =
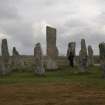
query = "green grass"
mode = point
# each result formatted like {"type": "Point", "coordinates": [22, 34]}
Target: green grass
{"type": "Point", "coordinates": [64, 75]}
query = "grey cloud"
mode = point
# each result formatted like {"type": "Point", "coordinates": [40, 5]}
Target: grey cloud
{"type": "Point", "coordinates": [68, 16]}
{"type": "Point", "coordinates": [7, 9]}
{"type": "Point", "coordinates": [21, 33]}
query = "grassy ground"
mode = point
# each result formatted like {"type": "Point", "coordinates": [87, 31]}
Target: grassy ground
{"type": "Point", "coordinates": [62, 87]}
{"type": "Point", "coordinates": [66, 74]}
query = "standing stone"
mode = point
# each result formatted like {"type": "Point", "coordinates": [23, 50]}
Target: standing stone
{"type": "Point", "coordinates": [5, 64]}
{"type": "Point", "coordinates": [39, 68]}
{"type": "Point", "coordinates": [90, 56]}
{"type": "Point", "coordinates": [83, 56]}
{"type": "Point", "coordinates": [71, 53]}
{"type": "Point", "coordinates": [102, 57]}
{"type": "Point", "coordinates": [51, 64]}
{"type": "Point", "coordinates": [4, 49]}
{"type": "Point", "coordinates": [15, 52]}
{"type": "Point", "coordinates": [16, 59]}
{"type": "Point", "coordinates": [52, 50]}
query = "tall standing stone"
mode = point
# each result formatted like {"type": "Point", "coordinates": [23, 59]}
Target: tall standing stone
{"type": "Point", "coordinates": [4, 49]}
{"type": "Point", "coordinates": [71, 53]}
{"type": "Point", "coordinates": [52, 50]}
{"type": "Point", "coordinates": [83, 56]}
{"type": "Point", "coordinates": [38, 56]}
{"type": "Point", "coordinates": [102, 57]}
{"type": "Point", "coordinates": [90, 56]}
{"type": "Point", "coordinates": [5, 64]}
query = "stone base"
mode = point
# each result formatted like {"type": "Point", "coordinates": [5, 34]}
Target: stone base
{"type": "Point", "coordinates": [83, 69]}
{"type": "Point", "coordinates": [39, 70]}
{"type": "Point", "coordinates": [51, 65]}
{"type": "Point", "coordinates": [4, 69]}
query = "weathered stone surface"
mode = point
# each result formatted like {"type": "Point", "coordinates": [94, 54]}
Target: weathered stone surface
{"type": "Point", "coordinates": [15, 52]}
{"type": "Point", "coordinates": [83, 56]}
{"type": "Point", "coordinates": [90, 56]}
{"type": "Point", "coordinates": [51, 65]}
{"type": "Point", "coordinates": [102, 57]}
{"type": "Point", "coordinates": [5, 63]}
{"type": "Point", "coordinates": [52, 50]}
{"type": "Point", "coordinates": [17, 63]}
{"type": "Point", "coordinates": [39, 68]}
{"type": "Point", "coordinates": [71, 47]}
{"type": "Point", "coordinates": [4, 49]}
{"type": "Point", "coordinates": [71, 53]}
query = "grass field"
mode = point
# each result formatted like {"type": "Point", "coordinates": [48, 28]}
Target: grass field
{"type": "Point", "coordinates": [65, 86]}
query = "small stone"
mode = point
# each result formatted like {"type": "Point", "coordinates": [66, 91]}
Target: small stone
{"type": "Point", "coordinates": [15, 52]}
{"type": "Point", "coordinates": [83, 56]}
{"type": "Point", "coordinates": [38, 56]}
{"type": "Point", "coordinates": [102, 57]}
{"type": "Point", "coordinates": [90, 56]}
{"type": "Point", "coordinates": [71, 53]}
{"type": "Point", "coordinates": [17, 63]}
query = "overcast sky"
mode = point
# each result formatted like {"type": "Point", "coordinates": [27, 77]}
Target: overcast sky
{"type": "Point", "coordinates": [23, 23]}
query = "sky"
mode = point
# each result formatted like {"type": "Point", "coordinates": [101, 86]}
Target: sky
{"type": "Point", "coordinates": [23, 23]}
